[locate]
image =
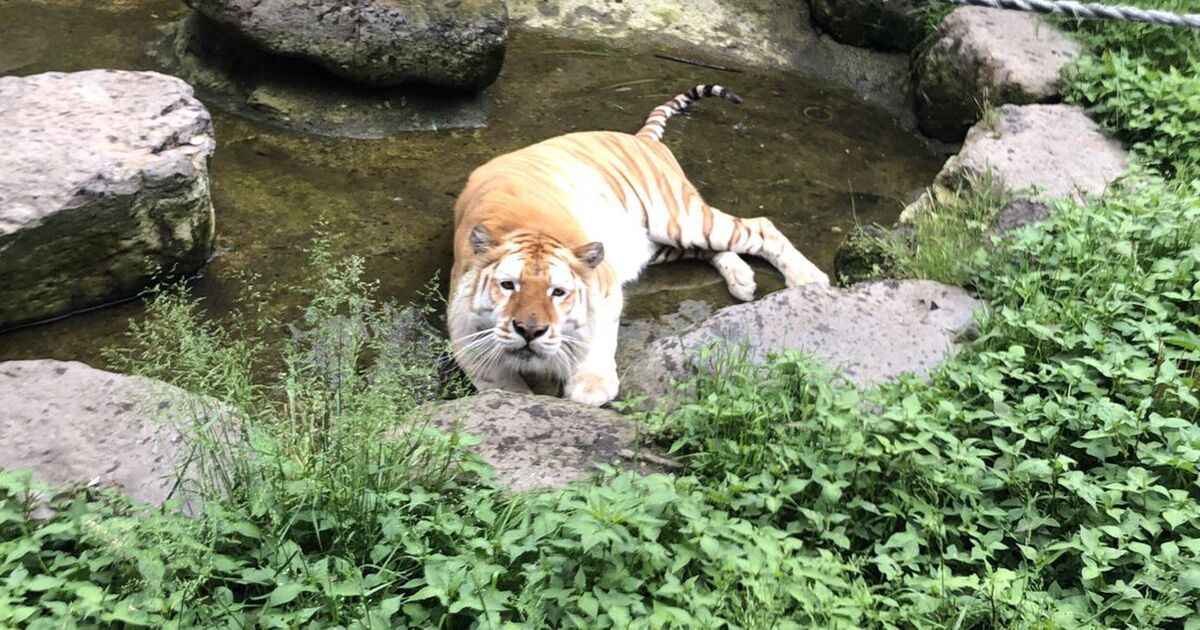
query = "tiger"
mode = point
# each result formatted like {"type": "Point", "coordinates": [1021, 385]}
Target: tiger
{"type": "Point", "coordinates": [546, 236]}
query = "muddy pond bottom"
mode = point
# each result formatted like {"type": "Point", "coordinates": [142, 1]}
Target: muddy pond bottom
{"type": "Point", "coordinates": [811, 156]}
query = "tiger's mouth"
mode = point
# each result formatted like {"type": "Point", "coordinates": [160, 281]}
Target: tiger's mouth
{"type": "Point", "coordinates": [526, 353]}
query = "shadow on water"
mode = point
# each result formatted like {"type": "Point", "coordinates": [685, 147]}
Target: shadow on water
{"type": "Point", "coordinates": [812, 156]}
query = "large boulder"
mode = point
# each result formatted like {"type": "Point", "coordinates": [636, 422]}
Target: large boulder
{"type": "Point", "coordinates": [987, 57]}
{"type": "Point", "coordinates": [882, 24]}
{"type": "Point", "coordinates": [72, 424]}
{"type": "Point", "coordinates": [538, 442]}
{"type": "Point", "coordinates": [457, 44]}
{"type": "Point", "coordinates": [1031, 152]}
{"type": "Point", "coordinates": [103, 184]}
{"type": "Point", "coordinates": [869, 333]}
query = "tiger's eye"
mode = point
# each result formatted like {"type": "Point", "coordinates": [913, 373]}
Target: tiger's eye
{"type": "Point", "coordinates": [508, 285]}
{"type": "Point", "coordinates": [558, 293]}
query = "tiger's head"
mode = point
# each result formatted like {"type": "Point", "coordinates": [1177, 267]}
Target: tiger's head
{"type": "Point", "coordinates": [530, 302]}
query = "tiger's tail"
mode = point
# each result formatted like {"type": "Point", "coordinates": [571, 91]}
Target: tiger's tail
{"type": "Point", "coordinates": [656, 123]}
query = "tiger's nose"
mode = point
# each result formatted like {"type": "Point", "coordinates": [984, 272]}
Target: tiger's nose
{"type": "Point", "coordinates": [529, 331]}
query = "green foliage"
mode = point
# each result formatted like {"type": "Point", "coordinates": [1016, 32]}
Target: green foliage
{"type": "Point", "coordinates": [1156, 110]}
{"type": "Point", "coordinates": [1140, 80]}
{"type": "Point", "coordinates": [1045, 478]}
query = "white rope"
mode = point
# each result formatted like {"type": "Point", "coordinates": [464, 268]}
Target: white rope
{"type": "Point", "coordinates": [1091, 10]}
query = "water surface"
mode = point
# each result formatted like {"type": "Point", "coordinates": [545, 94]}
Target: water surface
{"type": "Point", "coordinates": [811, 155]}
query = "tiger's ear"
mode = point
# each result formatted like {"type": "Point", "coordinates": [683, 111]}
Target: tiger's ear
{"type": "Point", "coordinates": [481, 241]}
{"type": "Point", "coordinates": [591, 254]}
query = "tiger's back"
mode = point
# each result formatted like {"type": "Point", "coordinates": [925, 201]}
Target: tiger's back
{"type": "Point", "coordinates": [604, 186]}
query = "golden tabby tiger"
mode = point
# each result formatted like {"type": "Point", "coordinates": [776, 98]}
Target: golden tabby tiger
{"type": "Point", "coordinates": [546, 236]}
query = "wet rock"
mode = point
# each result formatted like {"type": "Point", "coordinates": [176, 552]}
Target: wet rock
{"type": "Point", "coordinates": [775, 34]}
{"type": "Point", "coordinates": [882, 24]}
{"type": "Point", "coordinates": [103, 182]}
{"type": "Point", "coordinates": [457, 44]}
{"type": "Point", "coordinates": [70, 423]}
{"type": "Point", "coordinates": [868, 333]}
{"type": "Point", "coordinates": [1017, 214]}
{"type": "Point", "coordinates": [987, 56]}
{"type": "Point", "coordinates": [536, 441]}
{"type": "Point", "coordinates": [296, 94]}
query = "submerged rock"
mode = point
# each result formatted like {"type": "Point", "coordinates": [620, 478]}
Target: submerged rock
{"type": "Point", "coordinates": [457, 44]}
{"type": "Point", "coordinates": [883, 24]}
{"type": "Point", "coordinates": [987, 57]}
{"type": "Point", "coordinates": [103, 183]}
{"type": "Point", "coordinates": [869, 333]}
{"type": "Point", "coordinates": [539, 442]}
{"type": "Point", "coordinates": [70, 423]}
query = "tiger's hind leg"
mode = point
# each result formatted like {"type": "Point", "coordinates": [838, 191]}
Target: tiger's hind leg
{"type": "Point", "coordinates": [705, 227]}
{"type": "Point", "coordinates": [739, 277]}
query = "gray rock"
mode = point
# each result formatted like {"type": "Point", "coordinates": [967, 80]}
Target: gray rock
{"type": "Point", "coordinates": [1055, 150]}
{"type": "Point", "coordinates": [70, 423]}
{"type": "Point", "coordinates": [987, 57]}
{"type": "Point", "coordinates": [536, 441]}
{"type": "Point", "coordinates": [235, 76]}
{"type": "Point", "coordinates": [456, 44]}
{"type": "Point", "coordinates": [1017, 214]}
{"type": "Point", "coordinates": [883, 24]}
{"type": "Point", "coordinates": [869, 333]}
{"type": "Point", "coordinates": [103, 182]}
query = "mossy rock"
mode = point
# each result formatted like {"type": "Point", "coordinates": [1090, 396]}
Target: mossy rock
{"type": "Point", "coordinates": [882, 24]}
{"type": "Point", "coordinates": [868, 253]}
{"type": "Point", "coordinates": [382, 43]}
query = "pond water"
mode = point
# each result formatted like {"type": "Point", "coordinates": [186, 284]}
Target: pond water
{"type": "Point", "coordinates": [812, 156]}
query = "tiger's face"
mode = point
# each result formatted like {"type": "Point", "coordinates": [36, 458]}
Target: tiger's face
{"type": "Point", "coordinates": [530, 303]}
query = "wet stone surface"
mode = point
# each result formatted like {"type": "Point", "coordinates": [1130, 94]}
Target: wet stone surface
{"type": "Point", "coordinates": [811, 155]}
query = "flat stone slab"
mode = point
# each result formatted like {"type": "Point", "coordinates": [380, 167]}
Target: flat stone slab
{"type": "Point", "coordinates": [869, 333]}
{"type": "Point", "coordinates": [987, 56]}
{"type": "Point", "coordinates": [70, 423]}
{"type": "Point", "coordinates": [103, 183]}
{"type": "Point", "coordinates": [538, 442]}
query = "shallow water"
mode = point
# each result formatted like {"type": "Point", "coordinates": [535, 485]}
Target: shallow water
{"type": "Point", "coordinates": [810, 155]}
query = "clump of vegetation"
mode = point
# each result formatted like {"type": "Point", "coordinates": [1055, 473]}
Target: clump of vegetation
{"type": "Point", "coordinates": [945, 241]}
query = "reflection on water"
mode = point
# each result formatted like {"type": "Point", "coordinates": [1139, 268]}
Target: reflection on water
{"type": "Point", "coordinates": [810, 155]}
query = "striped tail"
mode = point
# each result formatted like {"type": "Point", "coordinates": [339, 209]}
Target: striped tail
{"type": "Point", "coordinates": [656, 123]}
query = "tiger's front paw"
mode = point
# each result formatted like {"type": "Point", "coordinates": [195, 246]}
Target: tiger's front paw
{"type": "Point", "coordinates": [593, 389]}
